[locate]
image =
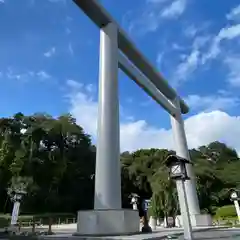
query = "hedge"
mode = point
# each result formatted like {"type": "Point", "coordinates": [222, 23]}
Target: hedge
{"type": "Point", "coordinates": [226, 211]}
{"type": "Point", "coordinates": [42, 218]}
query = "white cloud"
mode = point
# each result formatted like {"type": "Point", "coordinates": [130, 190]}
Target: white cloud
{"type": "Point", "coordinates": [43, 75]}
{"type": "Point", "coordinates": [81, 102]}
{"type": "Point", "coordinates": [234, 14]}
{"type": "Point", "coordinates": [68, 30]}
{"type": "Point", "coordinates": [212, 102]}
{"type": "Point", "coordinates": [187, 67]}
{"type": "Point", "coordinates": [160, 59]}
{"type": "Point", "coordinates": [201, 129]}
{"type": "Point", "coordinates": [25, 76]}
{"type": "Point", "coordinates": [148, 17]}
{"type": "Point", "coordinates": [90, 88]}
{"type": "Point", "coordinates": [50, 52]}
{"type": "Point", "coordinates": [233, 64]}
{"type": "Point", "coordinates": [189, 63]}
{"type": "Point", "coordinates": [200, 41]}
{"type": "Point", "coordinates": [74, 86]}
{"type": "Point", "coordinates": [2, 1]}
{"type": "Point", "coordinates": [199, 56]}
{"type": "Point", "coordinates": [190, 31]}
{"type": "Point", "coordinates": [12, 75]}
{"type": "Point", "coordinates": [204, 128]}
{"type": "Point", "coordinates": [227, 33]}
{"type": "Point", "coordinates": [70, 49]}
{"type": "Point", "coordinates": [176, 46]}
{"type": "Point", "coordinates": [143, 22]}
{"type": "Point", "coordinates": [175, 9]}
{"type": "Point", "coordinates": [16, 75]}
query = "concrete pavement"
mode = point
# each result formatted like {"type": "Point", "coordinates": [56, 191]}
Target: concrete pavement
{"type": "Point", "coordinates": [160, 233]}
{"type": "Point", "coordinates": [66, 231]}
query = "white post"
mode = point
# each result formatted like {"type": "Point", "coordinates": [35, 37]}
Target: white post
{"type": "Point", "coordinates": [134, 201]}
{"type": "Point", "coordinates": [135, 206]}
{"type": "Point", "coordinates": [182, 151]}
{"type": "Point", "coordinates": [108, 169]}
{"type": "Point", "coordinates": [237, 209]}
{"type": "Point", "coordinates": [187, 227]}
{"type": "Point", "coordinates": [15, 213]}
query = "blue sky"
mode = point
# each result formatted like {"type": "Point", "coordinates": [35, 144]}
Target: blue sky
{"type": "Point", "coordinates": [49, 63]}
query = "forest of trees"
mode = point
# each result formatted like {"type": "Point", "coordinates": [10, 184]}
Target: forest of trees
{"type": "Point", "coordinates": [53, 159]}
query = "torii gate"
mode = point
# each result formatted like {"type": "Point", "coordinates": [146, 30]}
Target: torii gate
{"type": "Point", "coordinates": [108, 217]}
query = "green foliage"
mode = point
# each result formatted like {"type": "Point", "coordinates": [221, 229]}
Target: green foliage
{"type": "Point", "coordinates": [38, 218]}
{"type": "Point", "coordinates": [53, 160]}
{"type": "Point", "coordinates": [4, 220]}
{"type": "Point", "coordinates": [155, 209]}
{"type": "Point", "coordinates": [226, 211]}
{"type": "Point", "coordinates": [215, 165]}
{"type": "Point", "coordinates": [147, 171]}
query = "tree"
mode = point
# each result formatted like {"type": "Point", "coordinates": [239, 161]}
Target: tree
{"type": "Point", "coordinates": [215, 166]}
{"type": "Point", "coordinates": [55, 153]}
{"type": "Point", "coordinates": [56, 159]}
{"type": "Point", "coordinates": [164, 190]}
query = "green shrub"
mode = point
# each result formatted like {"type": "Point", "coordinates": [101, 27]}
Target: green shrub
{"type": "Point", "coordinates": [4, 220]}
{"type": "Point", "coordinates": [155, 206]}
{"type": "Point", "coordinates": [226, 211]}
{"type": "Point", "coordinates": [229, 223]}
{"type": "Point", "coordinates": [38, 218]}
{"type": "Point", "coordinates": [56, 218]}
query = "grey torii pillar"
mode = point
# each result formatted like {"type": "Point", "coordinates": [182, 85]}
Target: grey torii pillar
{"type": "Point", "coordinates": [108, 217]}
{"type": "Point", "coordinates": [181, 148]}
{"type": "Point", "coordinates": [108, 175]}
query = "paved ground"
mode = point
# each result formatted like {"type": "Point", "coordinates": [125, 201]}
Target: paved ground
{"type": "Point", "coordinates": [199, 234]}
{"type": "Point", "coordinates": [215, 234]}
